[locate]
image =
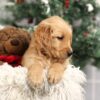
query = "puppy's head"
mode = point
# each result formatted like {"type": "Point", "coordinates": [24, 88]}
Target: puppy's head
{"type": "Point", "coordinates": [53, 37]}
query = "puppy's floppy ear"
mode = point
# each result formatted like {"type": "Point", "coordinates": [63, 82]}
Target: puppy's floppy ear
{"type": "Point", "coordinates": [45, 27]}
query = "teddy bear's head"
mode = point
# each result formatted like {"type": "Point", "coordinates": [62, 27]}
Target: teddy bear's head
{"type": "Point", "coordinates": [13, 41]}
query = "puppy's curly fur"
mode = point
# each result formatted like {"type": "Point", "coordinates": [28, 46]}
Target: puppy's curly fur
{"type": "Point", "coordinates": [50, 46]}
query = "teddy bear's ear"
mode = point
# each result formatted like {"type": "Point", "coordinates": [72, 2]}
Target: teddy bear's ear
{"type": "Point", "coordinates": [3, 35]}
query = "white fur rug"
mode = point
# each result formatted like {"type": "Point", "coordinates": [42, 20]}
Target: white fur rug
{"type": "Point", "coordinates": [13, 85]}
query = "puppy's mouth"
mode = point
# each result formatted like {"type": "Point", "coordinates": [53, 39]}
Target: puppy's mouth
{"type": "Point", "coordinates": [66, 55]}
{"type": "Point", "coordinates": [70, 54]}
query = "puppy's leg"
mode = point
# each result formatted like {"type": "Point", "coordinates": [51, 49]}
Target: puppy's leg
{"type": "Point", "coordinates": [35, 70]}
{"type": "Point", "coordinates": [55, 72]}
{"type": "Point", "coordinates": [35, 75]}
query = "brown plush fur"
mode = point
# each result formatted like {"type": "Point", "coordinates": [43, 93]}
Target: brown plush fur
{"type": "Point", "coordinates": [13, 41]}
{"type": "Point", "coordinates": [49, 47]}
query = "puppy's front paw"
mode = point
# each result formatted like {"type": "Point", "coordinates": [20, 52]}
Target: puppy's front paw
{"type": "Point", "coordinates": [35, 79]}
{"type": "Point", "coordinates": [54, 76]}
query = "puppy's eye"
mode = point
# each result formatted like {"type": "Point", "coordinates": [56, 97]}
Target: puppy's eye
{"type": "Point", "coordinates": [60, 37]}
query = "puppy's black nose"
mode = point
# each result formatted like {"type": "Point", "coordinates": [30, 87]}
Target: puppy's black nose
{"type": "Point", "coordinates": [70, 53]}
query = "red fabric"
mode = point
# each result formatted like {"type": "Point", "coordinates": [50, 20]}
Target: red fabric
{"type": "Point", "coordinates": [67, 3]}
{"type": "Point", "coordinates": [12, 59]}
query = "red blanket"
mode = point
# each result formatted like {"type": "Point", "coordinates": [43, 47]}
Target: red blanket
{"type": "Point", "coordinates": [12, 59]}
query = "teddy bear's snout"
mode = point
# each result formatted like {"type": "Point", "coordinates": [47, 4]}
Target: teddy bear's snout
{"type": "Point", "coordinates": [14, 42]}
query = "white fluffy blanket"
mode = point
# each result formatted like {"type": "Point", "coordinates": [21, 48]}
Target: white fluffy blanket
{"type": "Point", "coordinates": [13, 85]}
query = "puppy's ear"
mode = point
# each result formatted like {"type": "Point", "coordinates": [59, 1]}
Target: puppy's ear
{"type": "Point", "coordinates": [45, 27]}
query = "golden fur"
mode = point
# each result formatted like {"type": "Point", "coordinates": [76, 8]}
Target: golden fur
{"type": "Point", "coordinates": [49, 47]}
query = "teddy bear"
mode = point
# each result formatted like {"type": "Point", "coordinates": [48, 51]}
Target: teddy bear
{"type": "Point", "coordinates": [13, 43]}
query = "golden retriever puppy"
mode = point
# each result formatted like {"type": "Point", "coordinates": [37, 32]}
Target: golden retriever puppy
{"type": "Point", "coordinates": [50, 47]}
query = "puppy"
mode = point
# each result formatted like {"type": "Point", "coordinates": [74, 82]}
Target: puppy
{"type": "Point", "coordinates": [50, 47]}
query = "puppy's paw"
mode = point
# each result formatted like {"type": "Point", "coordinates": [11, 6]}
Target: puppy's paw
{"type": "Point", "coordinates": [35, 80]}
{"type": "Point", "coordinates": [54, 76]}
